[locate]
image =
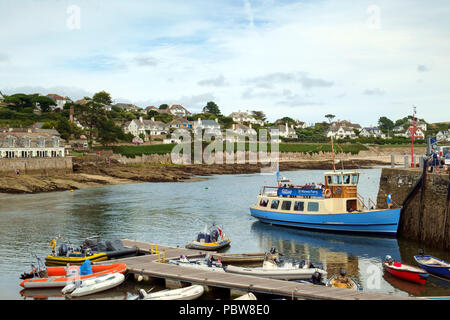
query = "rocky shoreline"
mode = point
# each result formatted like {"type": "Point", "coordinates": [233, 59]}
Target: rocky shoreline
{"type": "Point", "coordinates": [97, 173]}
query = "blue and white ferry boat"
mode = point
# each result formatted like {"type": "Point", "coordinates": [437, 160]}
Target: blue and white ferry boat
{"type": "Point", "coordinates": [334, 206]}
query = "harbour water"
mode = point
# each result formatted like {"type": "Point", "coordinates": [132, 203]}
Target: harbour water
{"type": "Point", "coordinates": [172, 213]}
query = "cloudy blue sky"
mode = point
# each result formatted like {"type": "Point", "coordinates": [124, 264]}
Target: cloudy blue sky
{"type": "Point", "coordinates": [358, 60]}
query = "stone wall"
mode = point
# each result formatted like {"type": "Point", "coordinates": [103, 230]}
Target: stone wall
{"type": "Point", "coordinates": [425, 218]}
{"type": "Point", "coordinates": [43, 166]}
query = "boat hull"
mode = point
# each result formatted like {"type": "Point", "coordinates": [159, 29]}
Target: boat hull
{"type": "Point", "coordinates": [419, 276]}
{"type": "Point", "coordinates": [376, 222]}
{"type": "Point", "coordinates": [280, 274]}
{"type": "Point", "coordinates": [208, 246]}
{"type": "Point", "coordinates": [441, 271]}
{"type": "Point", "coordinates": [57, 276]}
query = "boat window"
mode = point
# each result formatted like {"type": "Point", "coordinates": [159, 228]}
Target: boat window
{"type": "Point", "coordinates": [347, 179]}
{"type": "Point", "coordinates": [263, 202]}
{"type": "Point", "coordinates": [337, 179]}
{"type": "Point", "coordinates": [299, 206]}
{"type": "Point", "coordinates": [275, 204]}
{"type": "Point", "coordinates": [313, 206]}
{"type": "Point", "coordinates": [355, 179]}
{"type": "Point", "coordinates": [286, 205]}
{"type": "Point", "coordinates": [329, 179]}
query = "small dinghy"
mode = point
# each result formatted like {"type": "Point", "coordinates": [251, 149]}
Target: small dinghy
{"type": "Point", "coordinates": [212, 239]}
{"type": "Point", "coordinates": [433, 265]}
{"type": "Point", "coordinates": [207, 264]}
{"type": "Point", "coordinates": [79, 288]}
{"type": "Point", "coordinates": [92, 248]}
{"type": "Point", "coordinates": [54, 277]}
{"type": "Point", "coordinates": [245, 257]}
{"type": "Point", "coordinates": [286, 271]}
{"type": "Point", "coordinates": [405, 271]}
{"type": "Point", "coordinates": [248, 296]}
{"type": "Point", "coordinates": [188, 293]}
{"type": "Point", "coordinates": [343, 281]}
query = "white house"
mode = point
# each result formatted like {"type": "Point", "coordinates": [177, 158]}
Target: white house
{"type": "Point", "coordinates": [341, 133]}
{"type": "Point", "coordinates": [127, 106]}
{"type": "Point", "coordinates": [418, 133]}
{"type": "Point", "coordinates": [240, 132]}
{"type": "Point", "coordinates": [285, 131]}
{"type": "Point", "coordinates": [443, 135]}
{"type": "Point", "coordinates": [372, 132]}
{"type": "Point", "coordinates": [418, 123]}
{"type": "Point", "coordinates": [59, 100]}
{"type": "Point", "coordinates": [146, 127]}
{"type": "Point", "coordinates": [300, 125]}
{"type": "Point", "coordinates": [31, 143]}
{"type": "Point", "coordinates": [241, 117]}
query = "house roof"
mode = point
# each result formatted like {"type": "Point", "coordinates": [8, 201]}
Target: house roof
{"type": "Point", "coordinates": [56, 97]}
{"type": "Point", "coordinates": [35, 136]}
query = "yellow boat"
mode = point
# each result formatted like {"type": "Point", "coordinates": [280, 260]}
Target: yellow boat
{"type": "Point", "coordinates": [74, 258]}
{"type": "Point", "coordinates": [211, 239]}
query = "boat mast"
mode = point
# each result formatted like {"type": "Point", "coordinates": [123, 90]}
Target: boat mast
{"type": "Point", "coordinates": [413, 134]}
{"type": "Point", "coordinates": [332, 154]}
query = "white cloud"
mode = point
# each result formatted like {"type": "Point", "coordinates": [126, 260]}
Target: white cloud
{"type": "Point", "coordinates": [287, 58]}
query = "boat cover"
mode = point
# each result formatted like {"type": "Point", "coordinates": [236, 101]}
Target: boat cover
{"type": "Point", "coordinates": [86, 268]}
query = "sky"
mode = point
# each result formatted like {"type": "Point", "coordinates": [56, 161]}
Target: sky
{"type": "Point", "coordinates": [358, 60]}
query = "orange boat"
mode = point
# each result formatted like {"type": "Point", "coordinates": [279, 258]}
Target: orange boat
{"type": "Point", "coordinates": [55, 277]}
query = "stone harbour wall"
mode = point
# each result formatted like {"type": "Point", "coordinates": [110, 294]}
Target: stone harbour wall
{"type": "Point", "coordinates": [425, 217]}
{"type": "Point", "coordinates": [42, 166]}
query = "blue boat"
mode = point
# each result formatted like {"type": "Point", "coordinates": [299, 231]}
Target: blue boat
{"type": "Point", "coordinates": [334, 206]}
{"type": "Point", "coordinates": [434, 265]}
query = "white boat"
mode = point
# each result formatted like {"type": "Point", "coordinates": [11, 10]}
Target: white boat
{"type": "Point", "coordinates": [287, 271]}
{"type": "Point", "coordinates": [198, 264]}
{"type": "Point", "coordinates": [79, 288]}
{"type": "Point", "coordinates": [188, 293]}
{"type": "Point", "coordinates": [248, 296]}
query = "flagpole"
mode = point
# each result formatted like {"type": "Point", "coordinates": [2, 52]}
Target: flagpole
{"type": "Point", "coordinates": [332, 154]}
{"type": "Point", "coordinates": [413, 134]}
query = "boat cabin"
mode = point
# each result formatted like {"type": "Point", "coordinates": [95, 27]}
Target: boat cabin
{"type": "Point", "coordinates": [338, 193]}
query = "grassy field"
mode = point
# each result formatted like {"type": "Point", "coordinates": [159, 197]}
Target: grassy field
{"type": "Point", "coordinates": [133, 151]}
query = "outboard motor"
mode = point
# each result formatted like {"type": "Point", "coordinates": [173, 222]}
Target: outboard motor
{"type": "Point", "coordinates": [142, 294]}
{"type": "Point", "coordinates": [388, 259]}
{"type": "Point", "coordinates": [316, 278]}
{"type": "Point", "coordinates": [343, 272]}
{"type": "Point", "coordinates": [421, 252]}
{"type": "Point", "coordinates": [214, 235]}
{"type": "Point", "coordinates": [62, 250]}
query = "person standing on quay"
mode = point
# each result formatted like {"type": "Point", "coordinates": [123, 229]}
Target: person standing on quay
{"type": "Point", "coordinates": [389, 200]}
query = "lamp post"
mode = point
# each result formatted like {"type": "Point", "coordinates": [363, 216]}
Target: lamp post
{"type": "Point", "coordinates": [413, 135]}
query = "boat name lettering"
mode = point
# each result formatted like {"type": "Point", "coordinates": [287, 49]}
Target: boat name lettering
{"type": "Point", "coordinates": [299, 192]}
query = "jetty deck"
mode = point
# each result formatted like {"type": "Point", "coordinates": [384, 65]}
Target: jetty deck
{"type": "Point", "coordinates": [148, 265]}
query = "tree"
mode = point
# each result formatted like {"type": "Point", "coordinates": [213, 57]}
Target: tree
{"type": "Point", "coordinates": [109, 132]}
{"type": "Point", "coordinates": [102, 97]}
{"type": "Point", "coordinates": [330, 117]}
{"type": "Point", "coordinates": [163, 106]}
{"type": "Point", "coordinates": [19, 102]}
{"type": "Point", "coordinates": [385, 124]}
{"type": "Point", "coordinates": [212, 107]}
{"type": "Point", "coordinates": [259, 115]}
{"type": "Point", "coordinates": [152, 113]}
{"type": "Point", "coordinates": [43, 102]}
{"type": "Point", "coordinates": [90, 115]}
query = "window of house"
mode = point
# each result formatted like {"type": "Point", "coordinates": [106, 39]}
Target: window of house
{"type": "Point", "coordinates": [299, 206]}
{"type": "Point", "coordinates": [313, 206]}
{"type": "Point", "coordinates": [286, 205]}
{"type": "Point", "coordinates": [26, 142]}
{"type": "Point", "coordinates": [275, 204]}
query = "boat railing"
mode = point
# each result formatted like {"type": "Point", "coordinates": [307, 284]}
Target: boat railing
{"type": "Point", "coordinates": [361, 200]}
{"type": "Point", "coordinates": [293, 192]}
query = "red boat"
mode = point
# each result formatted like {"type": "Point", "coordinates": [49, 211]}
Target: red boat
{"type": "Point", "coordinates": [405, 271]}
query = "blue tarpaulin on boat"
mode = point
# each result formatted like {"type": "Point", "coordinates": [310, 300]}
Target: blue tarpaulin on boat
{"type": "Point", "coordinates": [295, 192]}
{"type": "Point", "coordinates": [86, 268]}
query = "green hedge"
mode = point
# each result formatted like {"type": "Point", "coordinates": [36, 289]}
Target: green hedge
{"type": "Point", "coordinates": [133, 151]}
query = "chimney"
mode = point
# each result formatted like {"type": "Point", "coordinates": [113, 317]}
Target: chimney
{"type": "Point", "coordinates": [287, 127]}
{"type": "Point", "coordinates": [140, 119]}
{"type": "Point", "coordinates": [250, 125]}
{"type": "Point", "coordinates": [234, 126]}
{"type": "Point", "coordinates": [199, 120]}
{"type": "Point", "coordinates": [153, 118]}
{"type": "Point", "coordinates": [216, 120]}
{"type": "Point", "coordinates": [71, 113]}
